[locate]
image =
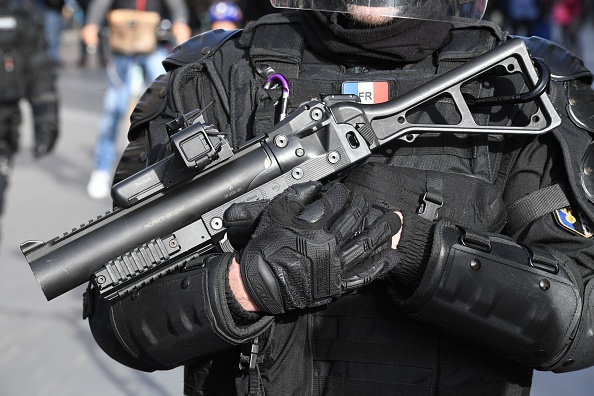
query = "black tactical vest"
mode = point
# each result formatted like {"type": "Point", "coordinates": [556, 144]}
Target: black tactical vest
{"type": "Point", "coordinates": [360, 345]}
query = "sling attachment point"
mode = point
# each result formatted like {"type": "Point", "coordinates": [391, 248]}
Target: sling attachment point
{"type": "Point", "coordinates": [432, 199]}
{"type": "Point", "coordinates": [248, 362]}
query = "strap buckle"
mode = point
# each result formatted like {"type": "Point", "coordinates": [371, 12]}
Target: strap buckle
{"type": "Point", "coordinates": [429, 208]}
{"type": "Point", "coordinates": [540, 260]}
{"type": "Point", "coordinates": [249, 362]}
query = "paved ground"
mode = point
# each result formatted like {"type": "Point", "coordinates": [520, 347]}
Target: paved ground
{"type": "Point", "coordinates": [45, 347]}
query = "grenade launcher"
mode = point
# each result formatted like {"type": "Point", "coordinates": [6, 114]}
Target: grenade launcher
{"type": "Point", "coordinates": [172, 211]}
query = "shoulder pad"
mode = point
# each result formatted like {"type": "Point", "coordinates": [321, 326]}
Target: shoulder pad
{"type": "Point", "coordinates": [580, 97]}
{"type": "Point", "coordinates": [471, 40]}
{"type": "Point", "coordinates": [150, 105]}
{"type": "Point", "coordinates": [198, 47]}
{"type": "Point", "coordinates": [563, 64]}
{"type": "Point", "coordinates": [275, 18]}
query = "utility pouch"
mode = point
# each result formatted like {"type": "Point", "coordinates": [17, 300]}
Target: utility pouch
{"type": "Point", "coordinates": [133, 32]}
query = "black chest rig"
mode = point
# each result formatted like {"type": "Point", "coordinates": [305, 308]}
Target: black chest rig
{"type": "Point", "coordinates": [276, 46]}
{"type": "Point", "coordinates": [359, 345]}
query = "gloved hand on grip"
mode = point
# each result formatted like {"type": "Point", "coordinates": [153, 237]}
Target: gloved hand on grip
{"type": "Point", "coordinates": [309, 248]}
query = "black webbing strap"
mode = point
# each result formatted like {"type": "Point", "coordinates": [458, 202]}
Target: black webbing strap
{"type": "Point", "coordinates": [461, 146]}
{"type": "Point", "coordinates": [373, 353]}
{"type": "Point", "coordinates": [433, 198]}
{"type": "Point", "coordinates": [274, 53]}
{"type": "Point", "coordinates": [248, 362]}
{"type": "Point", "coordinates": [354, 387]}
{"type": "Point", "coordinates": [468, 43]}
{"type": "Point", "coordinates": [282, 52]}
{"type": "Point", "coordinates": [534, 205]}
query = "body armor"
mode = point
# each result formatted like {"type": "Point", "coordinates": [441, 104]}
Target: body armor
{"type": "Point", "coordinates": [378, 341]}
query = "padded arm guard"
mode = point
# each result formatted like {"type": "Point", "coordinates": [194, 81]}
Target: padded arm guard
{"type": "Point", "coordinates": [172, 321]}
{"type": "Point", "coordinates": [520, 302]}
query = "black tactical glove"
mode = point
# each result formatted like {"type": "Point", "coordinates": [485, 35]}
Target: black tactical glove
{"type": "Point", "coordinates": [309, 249]}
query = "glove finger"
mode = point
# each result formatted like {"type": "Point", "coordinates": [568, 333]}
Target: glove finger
{"type": "Point", "coordinates": [244, 213]}
{"type": "Point", "coordinates": [241, 220]}
{"type": "Point", "coordinates": [351, 219]}
{"type": "Point", "coordinates": [300, 195]}
{"type": "Point", "coordinates": [370, 269]}
{"type": "Point", "coordinates": [325, 210]}
{"type": "Point", "coordinates": [378, 235]}
{"type": "Point", "coordinates": [376, 211]}
{"type": "Point", "coordinates": [337, 198]}
{"type": "Point", "coordinates": [293, 200]}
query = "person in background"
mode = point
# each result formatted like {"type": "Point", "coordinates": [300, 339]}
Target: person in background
{"type": "Point", "coordinates": [567, 19]}
{"type": "Point", "coordinates": [121, 65]}
{"type": "Point", "coordinates": [199, 18]}
{"type": "Point", "coordinates": [53, 25]}
{"type": "Point", "coordinates": [443, 264]}
{"type": "Point", "coordinates": [85, 50]}
{"type": "Point", "coordinates": [523, 14]}
{"type": "Point", "coordinates": [235, 14]}
{"type": "Point", "coordinates": [225, 15]}
{"type": "Point", "coordinates": [26, 73]}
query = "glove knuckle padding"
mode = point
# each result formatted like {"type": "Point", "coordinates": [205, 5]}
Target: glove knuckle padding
{"type": "Point", "coordinates": [296, 258]}
{"type": "Point", "coordinates": [351, 219]}
{"type": "Point", "coordinates": [496, 298]}
{"type": "Point", "coordinates": [174, 319]}
{"type": "Point", "coordinates": [374, 237]}
{"type": "Point", "coordinates": [280, 262]}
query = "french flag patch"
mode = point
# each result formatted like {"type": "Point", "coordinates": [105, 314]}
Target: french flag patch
{"type": "Point", "coordinates": [370, 92]}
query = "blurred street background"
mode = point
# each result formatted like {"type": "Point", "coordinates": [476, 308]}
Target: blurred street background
{"type": "Point", "coordinates": [45, 347]}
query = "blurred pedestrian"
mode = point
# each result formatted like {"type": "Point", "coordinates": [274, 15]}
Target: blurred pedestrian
{"type": "Point", "coordinates": [133, 41]}
{"type": "Point", "coordinates": [567, 18]}
{"type": "Point", "coordinates": [225, 14]}
{"type": "Point", "coordinates": [26, 73]}
{"type": "Point", "coordinates": [524, 16]}
{"type": "Point", "coordinates": [198, 15]}
{"type": "Point", "coordinates": [53, 25]}
{"type": "Point", "coordinates": [86, 51]}
{"type": "Point", "coordinates": [234, 14]}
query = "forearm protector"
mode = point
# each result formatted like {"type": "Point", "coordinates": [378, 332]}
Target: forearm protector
{"type": "Point", "coordinates": [171, 321]}
{"type": "Point", "coordinates": [519, 302]}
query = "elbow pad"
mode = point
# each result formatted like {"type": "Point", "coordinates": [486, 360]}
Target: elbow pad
{"type": "Point", "coordinates": [173, 320]}
{"type": "Point", "coordinates": [519, 302]}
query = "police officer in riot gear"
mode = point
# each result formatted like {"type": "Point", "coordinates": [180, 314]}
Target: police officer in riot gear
{"type": "Point", "coordinates": [445, 264]}
{"type": "Point", "coordinates": [26, 72]}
